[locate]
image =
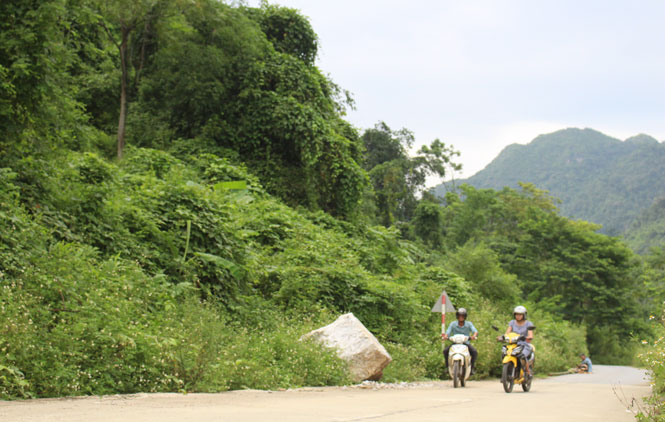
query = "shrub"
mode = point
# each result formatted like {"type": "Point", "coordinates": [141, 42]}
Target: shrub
{"type": "Point", "coordinates": [654, 360]}
{"type": "Point", "coordinates": [77, 325]}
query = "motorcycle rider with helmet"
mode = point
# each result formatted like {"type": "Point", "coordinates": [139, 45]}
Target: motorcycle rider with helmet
{"type": "Point", "coordinates": [522, 326]}
{"type": "Point", "coordinates": [462, 326]}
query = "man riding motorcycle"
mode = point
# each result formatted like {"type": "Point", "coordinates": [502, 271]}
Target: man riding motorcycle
{"type": "Point", "coordinates": [462, 326]}
{"type": "Point", "coordinates": [522, 326]}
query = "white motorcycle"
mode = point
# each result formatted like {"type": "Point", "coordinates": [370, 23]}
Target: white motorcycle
{"type": "Point", "coordinates": [459, 360]}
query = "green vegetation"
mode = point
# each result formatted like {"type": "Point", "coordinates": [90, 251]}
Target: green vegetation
{"type": "Point", "coordinates": [597, 178]}
{"type": "Point", "coordinates": [648, 229]}
{"type": "Point", "coordinates": [653, 355]}
{"type": "Point", "coordinates": [198, 288]}
{"type": "Point", "coordinates": [654, 359]}
{"type": "Point", "coordinates": [237, 210]}
{"type": "Point", "coordinates": [520, 242]}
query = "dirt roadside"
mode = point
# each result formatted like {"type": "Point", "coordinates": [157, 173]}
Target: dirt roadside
{"type": "Point", "coordinates": [572, 398]}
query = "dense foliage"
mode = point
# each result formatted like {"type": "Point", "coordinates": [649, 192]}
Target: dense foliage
{"type": "Point", "coordinates": [648, 229]}
{"type": "Point", "coordinates": [103, 283]}
{"type": "Point", "coordinates": [597, 178]}
{"type": "Point", "coordinates": [563, 265]}
{"type": "Point", "coordinates": [245, 211]}
{"type": "Point", "coordinates": [396, 177]}
{"type": "Point", "coordinates": [654, 359]}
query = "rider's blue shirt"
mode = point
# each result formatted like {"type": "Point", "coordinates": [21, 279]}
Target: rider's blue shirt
{"type": "Point", "coordinates": [467, 329]}
{"type": "Point", "coordinates": [587, 361]}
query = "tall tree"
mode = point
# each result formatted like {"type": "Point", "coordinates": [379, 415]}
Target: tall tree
{"type": "Point", "coordinates": [397, 178]}
{"type": "Point", "coordinates": [121, 19]}
{"type": "Point", "coordinates": [383, 144]}
{"type": "Point", "coordinates": [287, 30]}
{"type": "Point", "coordinates": [217, 79]}
{"type": "Point", "coordinates": [36, 101]}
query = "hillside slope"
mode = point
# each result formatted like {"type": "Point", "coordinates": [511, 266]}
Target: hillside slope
{"type": "Point", "coordinates": [648, 230]}
{"type": "Point", "coordinates": [597, 177]}
{"type": "Point", "coordinates": [240, 212]}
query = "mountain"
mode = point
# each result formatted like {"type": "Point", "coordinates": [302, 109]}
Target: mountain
{"type": "Point", "coordinates": [648, 229]}
{"type": "Point", "coordinates": [598, 178]}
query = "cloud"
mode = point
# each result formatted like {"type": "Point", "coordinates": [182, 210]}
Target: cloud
{"type": "Point", "coordinates": [483, 74]}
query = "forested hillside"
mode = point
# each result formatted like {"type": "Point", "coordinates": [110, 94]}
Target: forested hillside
{"type": "Point", "coordinates": [181, 199]}
{"type": "Point", "coordinates": [597, 178]}
{"type": "Point", "coordinates": [648, 229]}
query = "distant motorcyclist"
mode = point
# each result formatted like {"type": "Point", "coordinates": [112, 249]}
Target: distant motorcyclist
{"type": "Point", "coordinates": [522, 326]}
{"type": "Point", "coordinates": [462, 326]}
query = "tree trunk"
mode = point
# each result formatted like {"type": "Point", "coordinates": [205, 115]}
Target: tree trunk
{"type": "Point", "coordinates": [146, 29]}
{"type": "Point", "coordinates": [123, 91]}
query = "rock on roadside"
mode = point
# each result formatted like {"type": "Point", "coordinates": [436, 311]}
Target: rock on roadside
{"type": "Point", "coordinates": [356, 345]}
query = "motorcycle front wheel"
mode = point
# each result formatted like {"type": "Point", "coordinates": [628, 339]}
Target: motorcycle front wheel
{"type": "Point", "coordinates": [507, 377]}
{"type": "Point", "coordinates": [462, 376]}
{"type": "Point", "coordinates": [526, 384]}
{"type": "Point", "coordinates": [456, 373]}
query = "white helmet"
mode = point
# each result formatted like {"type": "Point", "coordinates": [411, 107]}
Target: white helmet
{"type": "Point", "coordinates": [520, 310]}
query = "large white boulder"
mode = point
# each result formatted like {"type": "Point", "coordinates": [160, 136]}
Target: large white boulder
{"type": "Point", "coordinates": [356, 345]}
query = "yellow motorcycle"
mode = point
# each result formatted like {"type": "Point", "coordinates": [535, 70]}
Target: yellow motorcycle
{"type": "Point", "coordinates": [513, 365]}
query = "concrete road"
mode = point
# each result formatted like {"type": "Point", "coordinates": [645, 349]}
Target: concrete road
{"type": "Point", "coordinates": [567, 398]}
{"type": "Point", "coordinates": [603, 374]}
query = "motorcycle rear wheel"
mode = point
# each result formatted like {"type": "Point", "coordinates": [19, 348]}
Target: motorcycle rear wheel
{"type": "Point", "coordinates": [526, 385]}
{"type": "Point", "coordinates": [456, 373]}
{"type": "Point", "coordinates": [507, 377]}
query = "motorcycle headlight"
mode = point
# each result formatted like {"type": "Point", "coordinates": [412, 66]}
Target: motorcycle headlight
{"type": "Point", "coordinates": [504, 349]}
{"type": "Point", "coordinates": [517, 350]}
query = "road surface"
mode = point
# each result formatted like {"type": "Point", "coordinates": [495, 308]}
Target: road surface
{"type": "Point", "coordinates": [568, 398]}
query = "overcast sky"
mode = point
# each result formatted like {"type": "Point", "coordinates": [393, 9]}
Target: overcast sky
{"type": "Point", "coordinates": [482, 74]}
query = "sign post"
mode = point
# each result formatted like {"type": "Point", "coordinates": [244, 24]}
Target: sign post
{"type": "Point", "coordinates": [443, 305]}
